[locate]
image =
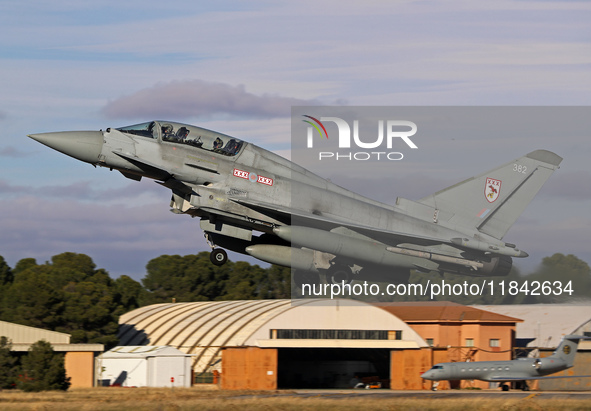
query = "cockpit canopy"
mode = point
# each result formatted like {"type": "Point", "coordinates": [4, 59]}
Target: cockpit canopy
{"type": "Point", "coordinates": [186, 134]}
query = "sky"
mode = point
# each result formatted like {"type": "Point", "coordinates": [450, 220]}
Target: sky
{"type": "Point", "coordinates": [238, 68]}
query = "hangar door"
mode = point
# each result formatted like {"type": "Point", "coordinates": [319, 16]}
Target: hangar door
{"type": "Point", "coordinates": [331, 367]}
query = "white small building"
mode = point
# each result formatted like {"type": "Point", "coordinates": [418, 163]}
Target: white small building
{"type": "Point", "coordinates": [144, 366]}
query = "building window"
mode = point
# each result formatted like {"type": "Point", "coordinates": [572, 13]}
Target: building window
{"type": "Point", "coordinates": [469, 342]}
{"type": "Point", "coordinates": [204, 378]}
{"type": "Point", "coordinates": [429, 341]}
{"type": "Point", "coordinates": [395, 335]}
{"type": "Point", "coordinates": [295, 334]}
{"type": "Point", "coordinates": [494, 342]}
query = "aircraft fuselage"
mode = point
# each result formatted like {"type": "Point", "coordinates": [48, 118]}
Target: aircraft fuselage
{"type": "Point", "coordinates": [236, 188]}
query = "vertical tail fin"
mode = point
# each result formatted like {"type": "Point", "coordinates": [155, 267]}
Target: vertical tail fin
{"type": "Point", "coordinates": [567, 349]}
{"type": "Point", "coordinates": [492, 201]}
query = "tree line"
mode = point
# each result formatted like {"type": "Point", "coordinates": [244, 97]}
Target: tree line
{"type": "Point", "coordinates": [69, 294]}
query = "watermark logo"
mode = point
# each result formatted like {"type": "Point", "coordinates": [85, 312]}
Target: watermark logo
{"type": "Point", "coordinates": [315, 125]}
{"type": "Point", "coordinates": [388, 131]}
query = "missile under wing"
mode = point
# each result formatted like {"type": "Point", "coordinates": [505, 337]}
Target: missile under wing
{"type": "Point", "coordinates": [255, 202]}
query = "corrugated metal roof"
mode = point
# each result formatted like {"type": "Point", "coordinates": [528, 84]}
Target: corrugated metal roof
{"type": "Point", "coordinates": [22, 334]}
{"type": "Point", "coordinates": [196, 324]}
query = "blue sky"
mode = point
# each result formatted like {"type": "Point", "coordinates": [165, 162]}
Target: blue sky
{"type": "Point", "coordinates": [68, 65]}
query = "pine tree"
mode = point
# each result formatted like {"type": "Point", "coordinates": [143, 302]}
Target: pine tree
{"type": "Point", "coordinates": [43, 369]}
{"type": "Point", "coordinates": [7, 364]}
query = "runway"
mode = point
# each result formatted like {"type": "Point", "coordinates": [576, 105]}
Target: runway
{"type": "Point", "coordinates": [433, 395]}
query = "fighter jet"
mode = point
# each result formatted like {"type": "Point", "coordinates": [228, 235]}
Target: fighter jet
{"type": "Point", "coordinates": [521, 369]}
{"type": "Point", "coordinates": [255, 202]}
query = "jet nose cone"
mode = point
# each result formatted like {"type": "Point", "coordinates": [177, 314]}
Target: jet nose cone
{"type": "Point", "coordinates": [427, 375]}
{"type": "Point", "coordinates": [82, 145]}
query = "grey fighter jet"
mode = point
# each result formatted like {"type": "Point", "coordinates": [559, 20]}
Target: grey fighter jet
{"type": "Point", "coordinates": [252, 201]}
{"type": "Point", "coordinates": [521, 369]}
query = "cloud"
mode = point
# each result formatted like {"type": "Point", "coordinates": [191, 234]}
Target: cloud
{"type": "Point", "coordinates": [197, 98]}
{"type": "Point", "coordinates": [11, 151]}
{"type": "Point", "coordinates": [542, 238]}
{"type": "Point", "coordinates": [121, 239]}
{"type": "Point", "coordinates": [571, 185]}
{"type": "Point", "coordinates": [6, 188]}
{"type": "Point", "coordinates": [87, 191]}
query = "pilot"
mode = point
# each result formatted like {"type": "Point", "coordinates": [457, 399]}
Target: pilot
{"type": "Point", "coordinates": [217, 144]}
{"type": "Point", "coordinates": [167, 132]}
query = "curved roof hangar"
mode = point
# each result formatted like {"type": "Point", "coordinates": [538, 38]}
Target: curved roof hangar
{"type": "Point", "coordinates": [203, 329]}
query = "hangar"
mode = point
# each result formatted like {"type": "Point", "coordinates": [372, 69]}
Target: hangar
{"type": "Point", "coordinates": [268, 344]}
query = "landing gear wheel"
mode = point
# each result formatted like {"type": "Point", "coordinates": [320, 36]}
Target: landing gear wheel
{"type": "Point", "coordinates": [338, 274]}
{"type": "Point", "coordinates": [505, 387]}
{"type": "Point", "coordinates": [218, 256]}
